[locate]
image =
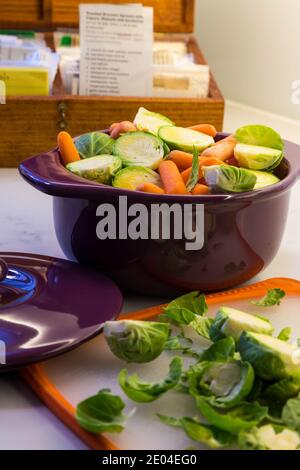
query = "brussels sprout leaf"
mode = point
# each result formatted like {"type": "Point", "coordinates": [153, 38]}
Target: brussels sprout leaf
{"type": "Point", "coordinates": [101, 413]}
{"type": "Point", "coordinates": [291, 413]}
{"type": "Point", "coordinates": [221, 350]}
{"type": "Point", "coordinates": [144, 392]}
{"type": "Point", "coordinates": [194, 301]}
{"type": "Point", "coordinates": [194, 176]}
{"type": "Point", "coordinates": [272, 297]}
{"type": "Point", "coordinates": [285, 334]}
{"type": "Point", "coordinates": [269, 437]}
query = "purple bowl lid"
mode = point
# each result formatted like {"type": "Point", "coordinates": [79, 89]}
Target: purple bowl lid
{"type": "Point", "coordinates": [49, 306]}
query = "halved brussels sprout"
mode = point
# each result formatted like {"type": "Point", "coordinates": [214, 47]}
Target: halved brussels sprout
{"type": "Point", "coordinates": [136, 341]}
{"type": "Point", "coordinates": [268, 438]}
{"type": "Point", "coordinates": [229, 178]}
{"type": "Point", "coordinates": [264, 179]}
{"type": "Point", "coordinates": [254, 157]}
{"type": "Point", "coordinates": [101, 168]}
{"type": "Point", "coordinates": [271, 358]}
{"type": "Point", "coordinates": [133, 176]}
{"type": "Point", "coordinates": [263, 136]}
{"type": "Point", "coordinates": [185, 139]}
{"type": "Point", "coordinates": [139, 149]}
{"type": "Point", "coordinates": [150, 122]}
{"type": "Point", "coordinates": [94, 143]}
{"type": "Point", "coordinates": [282, 390]}
{"type": "Point", "coordinates": [225, 383]}
{"type": "Point", "coordinates": [232, 322]}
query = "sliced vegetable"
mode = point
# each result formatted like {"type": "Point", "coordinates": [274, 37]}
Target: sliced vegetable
{"type": "Point", "coordinates": [171, 178]}
{"type": "Point", "coordinates": [94, 143]}
{"type": "Point", "coordinates": [149, 121]}
{"type": "Point", "coordinates": [272, 297]}
{"type": "Point", "coordinates": [282, 390]}
{"type": "Point", "coordinates": [133, 177]}
{"type": "Point", "coordinates": [101, 413]}
{"type": "Point", "coordinates": [232, 322]}
{"type": "Point", "coordinates": [271, 358]}
{"type": "Point", "coordinates": [229, 178]}
{"type": "Point", "coordinates": [243, 416]}
{"type": "Point", "coordinates": [144, 392]}
{"type": "Point", "coordinates": [220, 350]}
{"type": "Point", "coordinates": [222, 151]}
{"type": "Point", "coordinates": [101, 168]}
{"type": "Point", "coordinates": [150, 188]}
{"type": "Point", "coordinates": [68, 151]}
{"type": "Point", "coordinates": [268, 438]}
{"type": "Point", "coordinates": [139, 149]}
{"type": "Point", "coordinates": [194, 176]}
{"type": "Point", "coordinates": [211, 436]}
{"type": "Point", "coordinates": [184, 139]}
{"type": "Point", "coordinates": [207, 129]}
{"type": "Point", "coordinates": [136, 341]}
{"type": "Point", "coordinates": [257, 158]}
{"type": "Point", "coordinates": [264, 179]}
{"type": "Point", "coordinates": [259, 135]}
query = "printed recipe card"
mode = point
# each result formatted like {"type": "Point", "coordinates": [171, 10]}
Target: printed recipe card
{"type": "Point", "coordinates": [116, 50]}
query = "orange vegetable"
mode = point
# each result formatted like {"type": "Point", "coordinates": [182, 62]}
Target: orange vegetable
{"type": "Point", "coordinates": [201, 189]}
{"type": "Point", "coordinates": [171, 178]}
{"type": "Point", "coordinates": [185, 174]}
{"type": "Point", "coordinates": [150, 188]}
{"type": "Point", "coordinates": [223, 151]}
{"type": "Point", "coordinates": [207, 129]}
{"type": "Point", "coordinates": [209, 161]}
{"type": "Point", "coordinates": [68, 151]}
{"type": "Point", "coordinates": [182, 160]}
{"type": "Point", "coordinates": [229, 138]}
{"type": "Point", "coordinates": [118, 128]}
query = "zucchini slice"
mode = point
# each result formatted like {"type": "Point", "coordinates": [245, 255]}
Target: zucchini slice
{"type": "Point", "coordinates": [101, 168]}
{"type": "Point", "coordinates": [134, 176]}
{"type": "Point", "coordinates": [139, 149]}
{"type": "Point", "coordinates": [185, 139]}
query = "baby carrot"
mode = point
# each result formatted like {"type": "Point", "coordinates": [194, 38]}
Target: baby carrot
{"type": "Point", "coordinates": [67, 148]}
{"type": "Point", "coordinates": [150, 188]}
{"type": "Point", "coordinates": [222, 151]}
{"type": "Point", "coordinates": [207, 129]}
{"type": "Point", "coordinates": [182, 160]}
{"type": "Point", "coordinates": [201, 189]}
{"type": "Point", "coordinates": [209, 161]}
{"type": "Point", "coordinates": [229, 138]}
{"type": "Point", "coordinates": [185, 174]}
{"type": "Point", "coordinates": [171, 178]}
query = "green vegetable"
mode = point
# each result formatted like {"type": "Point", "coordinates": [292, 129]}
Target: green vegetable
{"type": "Point", "coordinates": [101, 168]}
{"type": "Point", "coordinates": [136, 341]}
{"type": "Point", "coordinates": [268, 438]}
{"type": "Point", "coordinates": [144, 392]}
{"type": "Point", "coordinates": [193, 301]}
{"type": "Point", "coordinates": [202, 326]}
{"type": "Point", "coordinates": [291, 414]}
{"type": "Point", "coordinates": [219, 351]}
{"type": "Point", "coordinates": [244, 416]}
{"type": "Point", "coordinates": [282, 390]}
{"type": "Point", "coordinates": [232, 322]}
{"type": "Point", "coordinates": [134, 176]}
{"type": "Point", "coordinates": [285, 334]}
{"type": "Point", "coordinates": [257, 158]}
{"type": "Point", "coordinates": [194, 176]}
{"type": "Point", "coordinates": [259, 135]}
{"type": "Point", "coordinates": [94, 143]}
{"type": "Point", "coordinates": [139, 149]}
{"type": "Point", "coordinates": [179, 343]}
{"type": "Point", "coordinates": [264, 179]}
{"type": "Point", "coordinates": [225, 384]}
{"type": "Point", "coordinates": [185, 139]}
{"type": "Point", "coordinates": [272, 297]}
{"type": "Point", "coordinates": [150, 122]}
{"type": "Point", "coordinates": [229, 178]}
{"type": "Point", "coordinates": [271, 358]}
{"type": "Point", "coordinates": [211, 436]}
{"type": "Point", "coordinates": [101, 413]}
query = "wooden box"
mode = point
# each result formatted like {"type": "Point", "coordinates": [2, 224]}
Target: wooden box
{"type": "Point", "coordinates": [29, 125]}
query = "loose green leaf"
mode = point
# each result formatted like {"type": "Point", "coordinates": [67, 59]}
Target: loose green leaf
{"type": "Point", "coordinates": [180, 316]}
{"type": "Point", "coordinates": [202, 326]}
{"type": "Point", "coordinates": [194, 176]}
{"type": "Point", "coordinates": [243, 416]}
{"type": "Point", "coordinates": [219, 351]}
{"type": "Point", "coordinates": [101, 413]}
{"type": "Point", "coordinates": [211, 436]}
{"type": "Point", "coordinates": [193, 301]}
{"type": "Point", "coordinates": [144, 392]}
{"type": "Point", "coordinates": [285, 334]}
{"type": "Point", "coordinates": [272, 297]}
{"type": "Point", "coordinates": [291, 414]}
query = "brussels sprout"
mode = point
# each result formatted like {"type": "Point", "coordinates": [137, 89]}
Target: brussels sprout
{"type": "Point", "coordinates": [101, 168]}
{"type": "Point", "coordinates": [291, 414]}
{"type": "Point", "coordinates": [264, 179]}
{"type": "Point", "coordinates": [225, 383]}
{"type": "Point", "coordinates": [229, 178]}
{"type": "Point", "coordinates": [266, 438]}
{"type": "Point", "coordinates": [182, 138]}
{"type": "Point", "coordinates": [271, 358]}
{"type": "Point", "coordinates": [136, 341]}
{"type": "Point", "coordinates": [262, 136]}
{"type": "Point", "coordinates": [282, 390]}
{"type": "Point", "coordinates": [150, 122]}
{"type": "Point", "coordinates": [133, 176]}
{"type": "Point", "coordinates": [257, 158]}
{"type": "Point", "coordinates": [232, 322]}
{"type": "Point", "coordinates": [94, 143]}
{"type": "Point", "coordinates": [139, 149]}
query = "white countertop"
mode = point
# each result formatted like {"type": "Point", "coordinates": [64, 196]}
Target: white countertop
{"type": "Point", "coordinates": [26, 226]}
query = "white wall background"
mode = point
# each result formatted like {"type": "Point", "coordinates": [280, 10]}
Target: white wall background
{"type": "Point", "coordinates": [253, 48]}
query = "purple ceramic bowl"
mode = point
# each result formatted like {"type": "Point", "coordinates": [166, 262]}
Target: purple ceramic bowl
{"type": "Point", "coordinates": [242, 232]}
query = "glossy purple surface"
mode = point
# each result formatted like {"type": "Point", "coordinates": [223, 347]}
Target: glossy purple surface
{"type": "Point", "coordinates": [242, 231]}
{"type": "Point", "coordinates": [49, 306]}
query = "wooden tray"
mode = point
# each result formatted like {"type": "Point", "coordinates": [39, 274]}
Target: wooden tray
{"type": "Point", "coordinates": [62, 382]}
